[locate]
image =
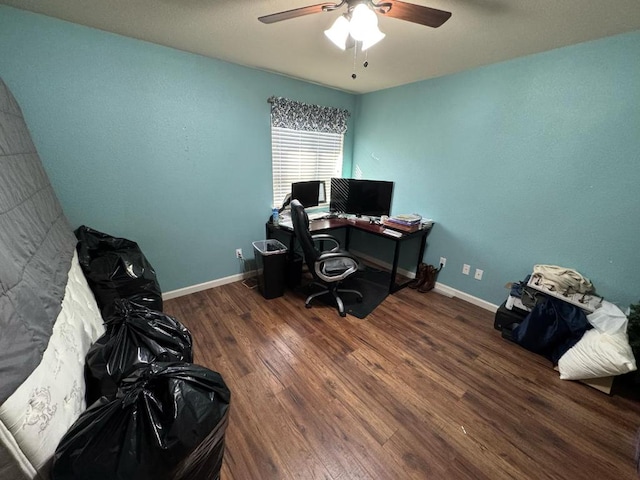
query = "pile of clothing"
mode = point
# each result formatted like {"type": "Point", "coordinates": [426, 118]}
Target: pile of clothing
{"type": "Point", "coordinates": [554, 312]}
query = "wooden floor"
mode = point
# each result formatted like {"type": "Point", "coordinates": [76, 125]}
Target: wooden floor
{"type": "Point", "coordinates": [423, 388]}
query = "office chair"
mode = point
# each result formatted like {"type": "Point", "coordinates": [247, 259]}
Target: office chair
{"type": "Point", "coordinates": [330, 267]}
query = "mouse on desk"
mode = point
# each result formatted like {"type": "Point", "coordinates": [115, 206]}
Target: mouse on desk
{"type": "Point", "coordinates": [329, 216]}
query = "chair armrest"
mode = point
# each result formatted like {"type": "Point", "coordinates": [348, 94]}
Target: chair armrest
{"type": "Point", "coordinates": [351, 264]}
{"type": "Point", "coordinates": [334, 255]}
{"type": "Point", "coordinates": [325, 237]}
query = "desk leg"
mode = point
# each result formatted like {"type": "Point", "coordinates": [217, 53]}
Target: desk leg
{"type": "Point", "coordinates": [423, 245]}
{"type": "Point", "coordinates": [292, 244]}
{"type": "Point", "coordinates": [394, 269]}
{"type": "Point", "coordinates": [393, 286]}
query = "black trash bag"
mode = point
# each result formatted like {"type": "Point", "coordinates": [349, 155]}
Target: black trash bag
{"type": "Point", "coordinates": [134, 335]}
{"type": "Point", "coordinates": [116, 268]}
{"type": "Point", "coordinates": [167, 421]}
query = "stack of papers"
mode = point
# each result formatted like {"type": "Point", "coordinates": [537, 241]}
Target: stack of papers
{"type": "Point", "coordinates": [407, 222]}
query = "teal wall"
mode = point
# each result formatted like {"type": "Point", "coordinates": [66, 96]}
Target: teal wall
{"type": "Point", "coordinates": [167, 148]}
{"type": "Point", "coordinates": [535, 160]}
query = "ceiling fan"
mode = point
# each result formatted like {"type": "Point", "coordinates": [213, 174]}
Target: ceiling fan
{"type": "Point", "coordinates": [410, 12]}
{"type": "Point", "coordinates": [359, 24]}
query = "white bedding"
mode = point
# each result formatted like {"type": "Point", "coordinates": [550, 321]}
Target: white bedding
{"type": "Point", "coordinates": [36, 416]}
{"type": "Point", "coordinates": [602, 351]}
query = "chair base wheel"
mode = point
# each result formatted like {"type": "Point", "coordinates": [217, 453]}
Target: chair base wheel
{"type": "Point", "coordinates": [343, 314]}
{"type": "Point", "coordinates": [307, 305]}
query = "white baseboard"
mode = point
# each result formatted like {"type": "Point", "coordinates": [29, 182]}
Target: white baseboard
{"type": "Point", "coordinates": [207, 285]}
{"type": "Point", "coordinates": [448, 291]}
{"type": "Point", "coordinates": [440, 288]}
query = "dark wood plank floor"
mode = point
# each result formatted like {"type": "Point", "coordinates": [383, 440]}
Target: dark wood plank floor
{"type": "Point", "coordinates": [423, 388]}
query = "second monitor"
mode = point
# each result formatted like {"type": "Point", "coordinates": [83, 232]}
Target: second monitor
{"type": "Point", "coordinates": [361, 197]}
{"type": "Point", "coordinates": [309, 194]}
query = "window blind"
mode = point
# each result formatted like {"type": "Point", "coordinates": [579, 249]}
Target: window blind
{"type": "Point", "coordinates": [299, 155]}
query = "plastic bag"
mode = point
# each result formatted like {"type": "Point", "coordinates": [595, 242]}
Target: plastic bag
{"type": "Point", "coordinates": [117, 268]}
{"type": "Point", "coordinates": [167, 421]}
{"type": "Point", "coordinates": [609, 319]}
{"type": "Point", "coordinates": [135, 335]}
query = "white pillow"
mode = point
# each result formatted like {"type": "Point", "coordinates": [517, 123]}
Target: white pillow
{"type": "Point", "coordinates": [597, 355]}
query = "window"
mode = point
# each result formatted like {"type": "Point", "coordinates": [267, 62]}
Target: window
{"type": "Point", "coordinates": [306, 144]}
{"type": "Point", "coordinates": [299, 155]}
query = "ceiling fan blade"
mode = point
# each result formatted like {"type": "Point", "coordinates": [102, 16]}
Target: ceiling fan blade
{"type": "Point", "coordinates": [297, 12]}
{"type": "Point", "coordinates": [430, 17]}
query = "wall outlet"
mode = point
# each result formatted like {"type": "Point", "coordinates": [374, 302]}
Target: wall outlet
{"type": "Point", "coordinates": [478, 275]}
{"type": "Point", "coordinates": [443, 261]}
{"type": "Point", "coordinates": [239, 253]}
{"type": "Point", "coordinates": [465, 269]}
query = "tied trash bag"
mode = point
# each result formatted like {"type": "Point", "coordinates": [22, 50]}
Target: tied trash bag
{"type": "Point", "coordinates": [167, 421]}
{"type": "Point", "coordinates": [116, 268]}
{"type": "Point", "coordinates": [134, 335]}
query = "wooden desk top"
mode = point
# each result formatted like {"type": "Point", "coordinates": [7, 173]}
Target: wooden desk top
{"type": "Point", "coordinates": [334, 223]}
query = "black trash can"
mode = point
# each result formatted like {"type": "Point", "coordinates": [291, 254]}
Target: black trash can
{"type": "Point", "coordinates": [293, 275]}
{"type": "Point", "coordinates": [271, 262]}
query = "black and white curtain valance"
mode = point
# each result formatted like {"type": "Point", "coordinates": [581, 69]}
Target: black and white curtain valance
{"type": "Point", "coordinates": [295, 115]}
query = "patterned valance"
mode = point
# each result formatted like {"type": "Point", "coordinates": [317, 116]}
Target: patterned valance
{"type": "Point", "coordinates": [287, 113]}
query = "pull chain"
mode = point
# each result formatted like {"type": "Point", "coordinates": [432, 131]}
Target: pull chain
{"type": "Point", "coordinates": [365, 64]}
{"type": "Point", "coordinates": [355, 57]}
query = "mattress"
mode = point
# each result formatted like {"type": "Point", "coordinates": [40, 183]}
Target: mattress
{"type": "Point", "coordinates": [36, 247]}
{"type": "Point", "coordinates": [48, 315]}
{"type": "Point", "coordinates": [36, 416]}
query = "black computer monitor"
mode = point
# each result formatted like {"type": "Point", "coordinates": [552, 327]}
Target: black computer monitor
{"type": "Point", "coordinates": [339, 195]}
{"type": "Point", "coordinates": [361, 197]}
{"type": "Point", "coordinates": [370, 197]}
{"type": "Point", "coordinates": [309, 194]}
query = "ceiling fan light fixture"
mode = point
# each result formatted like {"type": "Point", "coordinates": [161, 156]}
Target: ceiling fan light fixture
{"type": "Point", "coordinates": [363, 22]}
{"type": "Point", "coordinates": [373, 37]}
{"type": "Point", "coordinates": [339, 32]}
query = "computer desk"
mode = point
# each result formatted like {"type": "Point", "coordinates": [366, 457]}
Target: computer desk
{"type": "Point", "coordinates": [349, 224]}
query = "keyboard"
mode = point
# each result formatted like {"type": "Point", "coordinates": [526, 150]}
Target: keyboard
{"type": "Point", "coordinates": [286, 223]}
{"type": "Point", "coordinates": [316, 215]}
{"type": "Point", "coordinates": [393, 233]}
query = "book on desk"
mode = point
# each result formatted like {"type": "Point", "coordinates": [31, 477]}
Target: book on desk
{"type": "Point", "coordinates": [408, 222]}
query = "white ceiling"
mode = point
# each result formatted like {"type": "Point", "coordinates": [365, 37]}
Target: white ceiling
{"type": "Point", "coordinates": [480, 32]}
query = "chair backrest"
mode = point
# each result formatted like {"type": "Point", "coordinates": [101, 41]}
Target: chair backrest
{"type": "Point", "coordinates": [300, 222]}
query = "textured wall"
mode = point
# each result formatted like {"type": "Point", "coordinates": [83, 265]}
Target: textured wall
{"type": "Point", "coordinates": [535, 160]}
{"type": "Point", "coordinates": [529, 161]}
{"type": "Point", "coordinates": [167, 148]}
